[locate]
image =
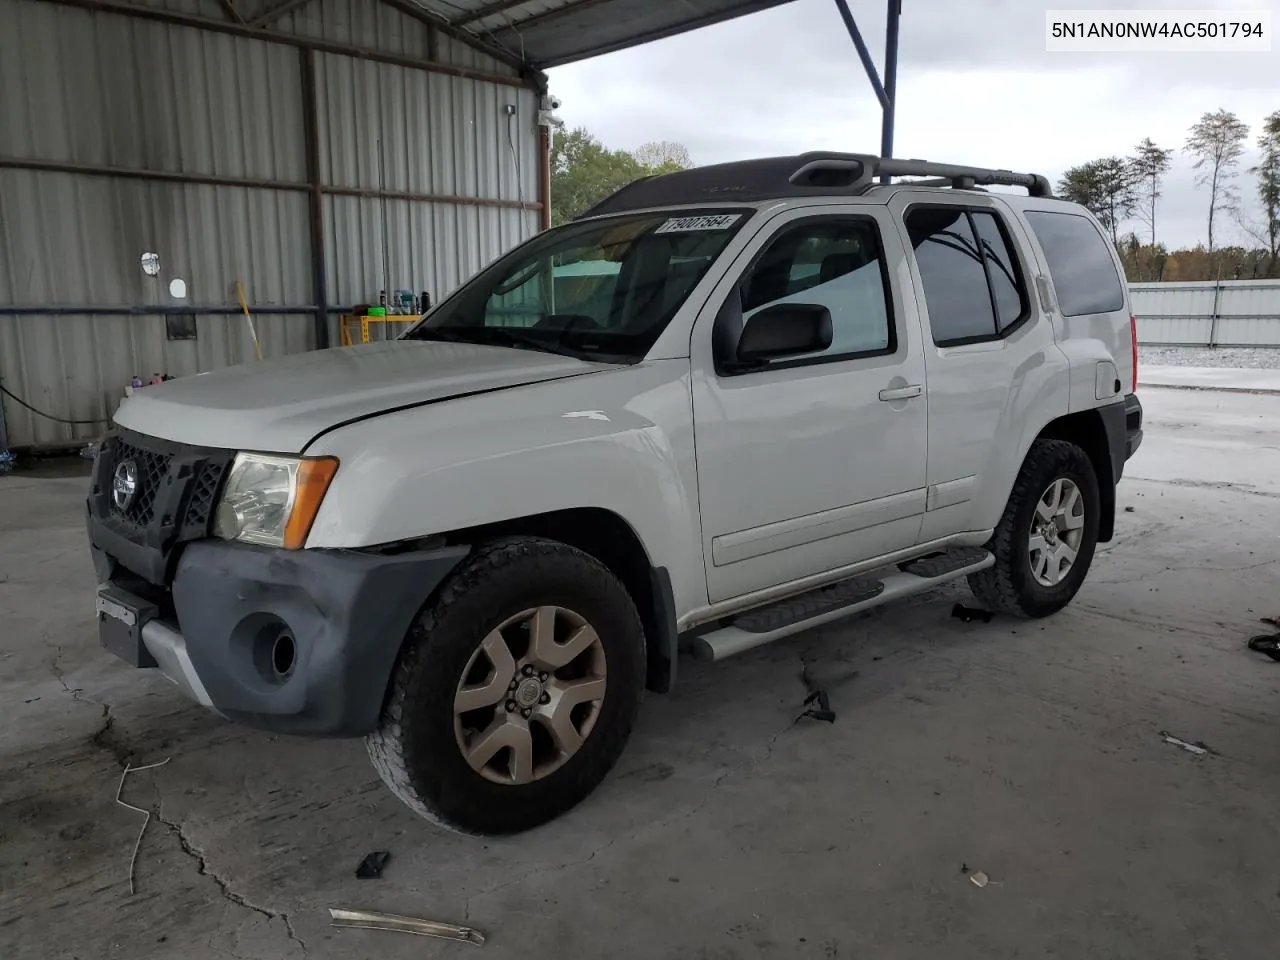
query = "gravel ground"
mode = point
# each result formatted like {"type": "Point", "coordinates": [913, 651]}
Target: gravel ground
{"type": "Point", "coordinates": [1251, 358]}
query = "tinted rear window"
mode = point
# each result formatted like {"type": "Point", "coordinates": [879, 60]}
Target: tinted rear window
{"type": "Point", "coordinates": [1084, 274]}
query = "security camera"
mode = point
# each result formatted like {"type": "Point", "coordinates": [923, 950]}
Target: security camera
{"type": "Point", "coordinates": [553, 103]}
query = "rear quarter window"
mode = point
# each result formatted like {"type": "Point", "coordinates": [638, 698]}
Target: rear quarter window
{"type": "Point", "coordinates": [1080, 263]}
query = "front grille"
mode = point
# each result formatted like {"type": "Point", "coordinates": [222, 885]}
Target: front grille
{"type": "Point", "coordinates": [173, 503]}
{"type": "Point", "coordinates": [204, 492]}
{"type": "Point", "coordinates": [152, 468]}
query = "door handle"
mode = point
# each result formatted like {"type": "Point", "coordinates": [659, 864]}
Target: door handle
{"type": "Point", "coordinates": [902, 393]}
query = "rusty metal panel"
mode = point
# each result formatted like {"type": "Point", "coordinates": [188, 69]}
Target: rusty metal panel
{"type": "Point", "coordinates": [119, 91]}
{"type": "Point", "coordinates": [377, 26]}
{"type": "Point", "coordinates": [77, 366]}
{"type": "Point", "coordinates": [394, 128]}
{"type": "Point", "coordinates": [70, 239]}
{"type": "Point", "coordinates": [554, 32]}
{"type": "Point", "coordinates": [429, 246]}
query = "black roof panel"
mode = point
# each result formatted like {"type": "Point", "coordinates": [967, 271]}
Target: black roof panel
{"type": "Point", "coordinates": [816, 174]}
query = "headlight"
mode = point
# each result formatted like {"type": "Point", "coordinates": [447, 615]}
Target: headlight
{"type": "Point", "coordinates": [272, 500]}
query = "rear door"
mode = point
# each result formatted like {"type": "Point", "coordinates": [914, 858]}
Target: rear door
{"type": "Point", "coordinates": [811, 463]}
{"type": "Point", "coordinates": [994, 373]}
{"type": "Point", "coordinates": [1087, 289]}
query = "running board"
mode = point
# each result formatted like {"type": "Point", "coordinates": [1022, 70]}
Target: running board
{"type": "Point", "coordinates": [763, 625]}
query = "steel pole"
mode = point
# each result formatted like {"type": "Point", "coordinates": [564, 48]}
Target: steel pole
{"type": "Point", "coordinates": [893, 13]}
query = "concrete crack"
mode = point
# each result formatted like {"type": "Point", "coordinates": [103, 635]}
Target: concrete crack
{"type": "Point", "coordinates": [106, 737]}
{"type": "Point", "coordinates": [224, 886]}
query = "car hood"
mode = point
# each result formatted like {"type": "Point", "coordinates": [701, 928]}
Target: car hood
{"type": "Point", "coordinates": [281, 405]}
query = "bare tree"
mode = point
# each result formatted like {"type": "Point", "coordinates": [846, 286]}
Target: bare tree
{"type": "Point", "coordinates": [663, 155]}
{"type": "Point", "coordinates": [1148, 165]}
{"type": "Point", "coordinates": [1217, 143]}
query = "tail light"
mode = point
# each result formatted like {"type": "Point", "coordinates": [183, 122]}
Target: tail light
{"type": "Point", "coordinates": [1133, 337]}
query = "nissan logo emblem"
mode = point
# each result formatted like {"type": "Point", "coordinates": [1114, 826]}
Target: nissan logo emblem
{"type": "Point", "coordinates": [124, 484]}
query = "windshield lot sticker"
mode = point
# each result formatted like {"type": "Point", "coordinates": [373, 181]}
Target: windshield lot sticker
{"type": "Point", "coordinates": [694, 224]}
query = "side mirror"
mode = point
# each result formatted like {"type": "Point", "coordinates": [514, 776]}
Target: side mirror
{"type": "Point", "coordinates": [785, 330]}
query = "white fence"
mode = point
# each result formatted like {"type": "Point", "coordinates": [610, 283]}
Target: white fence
{"type": "Point", "coordinates": [1231, 313]}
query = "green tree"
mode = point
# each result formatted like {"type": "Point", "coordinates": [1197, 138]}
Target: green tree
{"type": "Point", "coordinates": [1216, 141]}
{"type": "Point", "coordinates": [584, 171]}
{"type": "Point", "coordinates": [1106, 187]}
{"type": "Point", "coordinates": [1148, 165]}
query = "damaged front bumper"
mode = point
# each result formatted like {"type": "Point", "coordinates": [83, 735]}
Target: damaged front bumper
{"type": "Point", "coordinates": [299, 642]}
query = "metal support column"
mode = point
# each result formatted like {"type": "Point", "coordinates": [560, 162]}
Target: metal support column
{"type": "Point", "coordinates": [315, 196]}
{"type": "Point", "coordinates": [893, 13]}
{"type": "Point", "coordinates": [885, 92]}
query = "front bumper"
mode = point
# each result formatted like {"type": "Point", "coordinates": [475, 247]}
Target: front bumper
{"type": "Point", "coordinates": [299, 642]}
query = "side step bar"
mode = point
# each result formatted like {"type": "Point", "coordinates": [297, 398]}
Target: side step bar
{"type": "Point", "coordinates": [763, 625]}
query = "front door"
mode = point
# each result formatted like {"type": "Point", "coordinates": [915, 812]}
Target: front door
{"type": "Point", "coordinates": [810, 463]}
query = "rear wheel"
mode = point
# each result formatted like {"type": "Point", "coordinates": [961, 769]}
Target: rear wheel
{"type": "Point", "coordinates": [1045, 540]}
{"type": "Point", "coordinates": [515, 691]}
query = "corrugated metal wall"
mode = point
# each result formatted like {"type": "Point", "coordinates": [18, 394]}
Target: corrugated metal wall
{"type": "Point", "coordinates": [425, 178]}
{"type": "Point", "coordinates": [1226, 314]}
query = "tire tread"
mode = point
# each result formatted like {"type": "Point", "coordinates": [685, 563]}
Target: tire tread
{"type": "Point", "coordinates": [390, 744]}
{"type": "Point", "coordinates": [994, 587]}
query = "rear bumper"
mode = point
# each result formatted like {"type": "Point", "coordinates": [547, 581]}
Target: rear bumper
{"type": "Point", "coordinates": [1132, 424]}
{"type": "Point", "coordinates": [1122, 421]}
{"type": "Point", "coordinates": [299, 642]}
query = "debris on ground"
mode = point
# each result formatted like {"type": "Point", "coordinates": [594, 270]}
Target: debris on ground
{"type": "Point", "coordinates": [817, 695]}
{"type": "Point", "coordinates": [1198, 747]}
{"type": "Point", "coordinates": [372, 920]}
{"type": "Point", "coordinates": [822, 712]}
{"type": "Point", "coordinates": [128, 769]}
{"type": "Point", "coordinates": [371, 866]}
{"type": "Point", "coordinates": [979, 879]}
{"type": "Point", "coordinates": [1128, 509]}
{"type": "Point", "coordinates": [967, 614]}
{"type": "Point", "coordinates": [1268, 643]}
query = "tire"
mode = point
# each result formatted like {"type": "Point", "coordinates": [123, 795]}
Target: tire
{"type": "Point", "coordinates": [418, 749]}
{"type": "Point", "coordinates": [1011, 585]}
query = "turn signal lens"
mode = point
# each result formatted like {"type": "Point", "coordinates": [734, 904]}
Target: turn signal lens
{"type": "Point", "coordinates": [314, 477]}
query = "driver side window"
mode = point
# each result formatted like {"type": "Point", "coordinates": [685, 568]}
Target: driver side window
{"type": "Point", "coordinates": [837, 263]}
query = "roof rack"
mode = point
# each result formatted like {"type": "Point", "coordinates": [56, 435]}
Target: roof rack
{"type": "Point", "coordinates": [961, 177]}
{"type": "Point", "coordinates": [809, 174]}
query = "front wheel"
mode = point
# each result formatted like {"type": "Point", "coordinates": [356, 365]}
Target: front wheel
{"type": "Point", "coordinates": [1045, 540]}
{"type": "Point", "coordinates": [515, 690]}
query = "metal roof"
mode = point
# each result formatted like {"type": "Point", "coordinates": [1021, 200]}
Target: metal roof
{"type": "Point", "coordinates": [550, 33]}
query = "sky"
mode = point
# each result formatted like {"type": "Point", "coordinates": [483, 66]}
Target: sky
{"type": "Point", "coordinates": [975, 85]}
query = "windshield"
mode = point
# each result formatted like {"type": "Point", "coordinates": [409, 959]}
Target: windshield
{"type": "Point", "coordinates": [604, 289]}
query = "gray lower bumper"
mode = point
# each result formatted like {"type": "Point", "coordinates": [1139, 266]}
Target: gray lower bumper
{"type": "Point", "coordinates": [169, 650]}
{"type": "Point", "coordinates": [340, 616]}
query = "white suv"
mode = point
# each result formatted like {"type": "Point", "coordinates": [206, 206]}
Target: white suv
{"type": "Point", "coordinates": [726, 405]}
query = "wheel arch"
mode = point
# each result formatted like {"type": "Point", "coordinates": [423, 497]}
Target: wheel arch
{"type": "Point", "coordinates": [610, 539]}
{"type": "Point", "coordinates": [1087, 430]}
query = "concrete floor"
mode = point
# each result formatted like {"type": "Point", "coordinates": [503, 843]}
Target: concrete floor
{"type": "Point", "coordinates": [1031, 751]}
